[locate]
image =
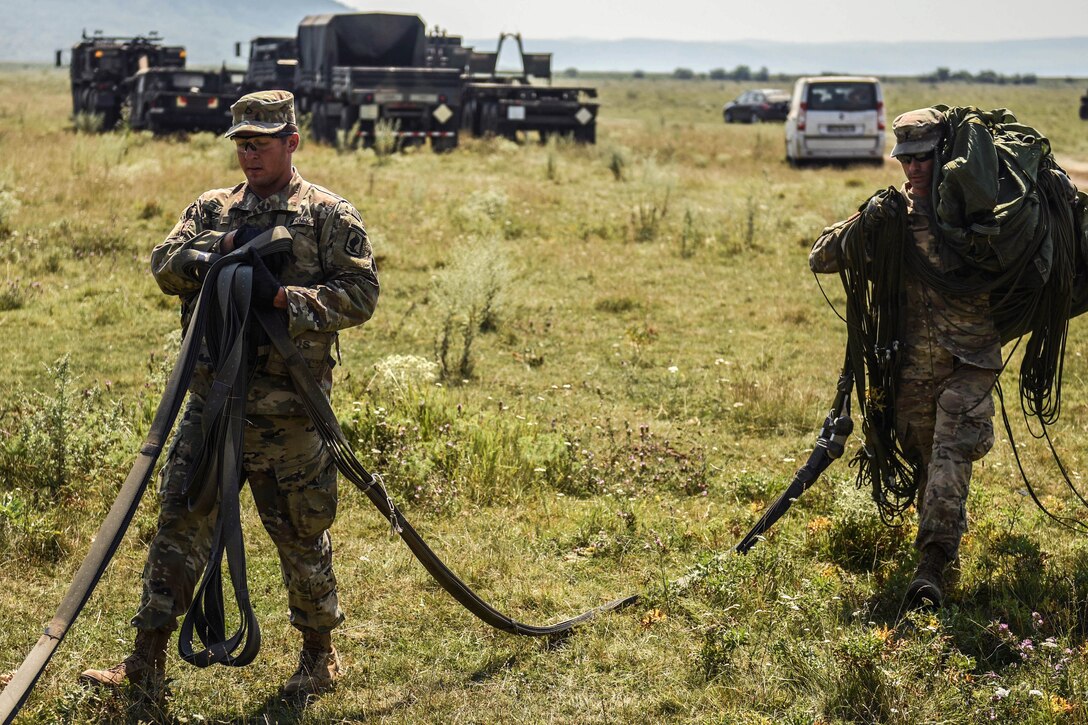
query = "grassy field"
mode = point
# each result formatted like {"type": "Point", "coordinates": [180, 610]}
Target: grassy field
{"type": "Point", "coordinates": [590, 370]}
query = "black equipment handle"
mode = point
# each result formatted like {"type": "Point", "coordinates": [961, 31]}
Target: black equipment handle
{"type": "Point", "coordinates": [830, 445]}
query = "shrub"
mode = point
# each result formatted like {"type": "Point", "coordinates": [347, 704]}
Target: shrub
{"type": "Point", "coordinates": [60, 438]}
{"type": "Point", "coordinates": [88, 122]}
{"type": "Point", "coordinates": [469, 294]}
{"type": "Point", "coordinates": [386, 139]}
{"type": "Point", "coordinates": [647, 218]}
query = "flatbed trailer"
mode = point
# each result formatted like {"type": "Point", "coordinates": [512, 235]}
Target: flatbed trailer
{"type": "Point", "coordinates": [365, 73]}
{"type": "Point", "coordinates": [498, 103]}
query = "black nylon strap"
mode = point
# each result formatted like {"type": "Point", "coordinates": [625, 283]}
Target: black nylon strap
{"type": "Point", "coordinates": [219, 480]}
{"type": "Point", "coordinates": [321, 413]}
{"type": "Point", "coordinates": [206, 619]}
{"type": "Point", "coordinates": [112, 529]}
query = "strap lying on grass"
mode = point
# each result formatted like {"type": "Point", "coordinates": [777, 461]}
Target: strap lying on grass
{"type": "Point", "coordinates": [206, 616]}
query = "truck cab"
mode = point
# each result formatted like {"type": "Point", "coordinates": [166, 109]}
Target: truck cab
{"type": "Point", "coordinates": [273, 63]}
{"type": "Point", "coordinates": [101, 67]}
{"type": "Point", "coordinates": [166, 100]}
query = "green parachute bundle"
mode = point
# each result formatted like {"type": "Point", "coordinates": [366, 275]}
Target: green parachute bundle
{"type": "Point", "coordinates": [1010, 224]}
{"type": "Point", "coordinates": [1016, 222]}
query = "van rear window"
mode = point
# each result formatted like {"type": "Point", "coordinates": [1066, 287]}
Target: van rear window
{"type": "Point", "coordinates": [848, 96]}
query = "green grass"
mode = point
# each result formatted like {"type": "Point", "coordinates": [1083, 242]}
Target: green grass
{"type": "Point", "coordinates": [646, 363]}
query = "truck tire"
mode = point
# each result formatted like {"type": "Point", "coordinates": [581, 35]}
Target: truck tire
{"type": "Point", "coordinates": [1084, 110]}
{"type": "Point", "coordinates": [469, 123]}
{"type": "Point", "coordinates": [586, 134]}
{"type": "Point", "coordinates": [317, 123]}
{"type": "Point", "coordinates": [489, 120]}
{"type": "Point", "coordinates": [349, 117]}
{"type": "Point", "coordinates": [443, 145]}
{"type": "Point", "coordinates": [323, 129]}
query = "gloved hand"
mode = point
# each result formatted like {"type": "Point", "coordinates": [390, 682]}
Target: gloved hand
{"type": "Point", "coordinates": [245, 235]}
{"type": "Point", "coordinates": [265, 284]}
{"type": "Point", "coordinates": [880, 207]}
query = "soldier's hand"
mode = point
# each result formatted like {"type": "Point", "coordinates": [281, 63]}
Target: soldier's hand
{"type": "Point", "coordinates": [266, 288]}
{"type": "Point", "coordinates": [879, 208]}
{"type": "Point", "coordinates": [244, 235]}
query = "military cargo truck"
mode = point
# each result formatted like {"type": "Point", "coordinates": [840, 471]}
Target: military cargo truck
{"type": "Point", "coordinates": [364, 73]}
{"type": "Point", "coordinates": [273, 62]}
{"type": "Point", "coordinates": [100, 66]}
{"type": "Point", "coordinates": [504, 103]}
{"type": "Point", "coordinates": [166, 100]}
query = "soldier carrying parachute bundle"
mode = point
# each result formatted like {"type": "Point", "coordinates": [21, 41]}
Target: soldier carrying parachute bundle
{"type": "Point", "coordinates": [985, 243]}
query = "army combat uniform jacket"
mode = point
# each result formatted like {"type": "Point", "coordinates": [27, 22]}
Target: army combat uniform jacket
{"type": "Point", "coordinates": [331, 281]}
{"type": "Point", "coordinates": [950, 354]}
{"type": "Point", "coordinates": [331, 284]}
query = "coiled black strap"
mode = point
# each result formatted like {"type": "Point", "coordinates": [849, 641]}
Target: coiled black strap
{"type": "Point", "coordinates": [227, 288]}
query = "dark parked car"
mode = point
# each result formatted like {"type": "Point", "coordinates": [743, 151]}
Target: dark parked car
{"type": "Point", "coordinates": [765, 104]}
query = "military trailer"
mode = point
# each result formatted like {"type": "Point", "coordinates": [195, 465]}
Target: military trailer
{"type": "Point", "coordinates": [360, 74]}
{"type": "Point", "coordinates": [273, 63]}
{"type": "Point", "coordinates": [504, 103]}
{"type": "Point", "coordinates": [167, 100]}
{"type": "Point", "coordinates": [101, 65]}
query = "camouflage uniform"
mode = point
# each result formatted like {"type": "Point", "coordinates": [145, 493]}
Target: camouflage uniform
{"type": "Point", "coordinates": [331, 284]}
{"type": "Point", "coordinates": [950, 357]}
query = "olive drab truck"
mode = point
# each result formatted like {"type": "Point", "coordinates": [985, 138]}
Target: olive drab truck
{"type": "Point", "coordinates": [273, 63]}
{"type": "Point", "coordinates": [364, 74]}
{"type": "Point", "coordinates": [168, 100]}
{"type": "Point", "coordinates": [505, 102]}
{"type": "Point", "coordinates": [101, 67]}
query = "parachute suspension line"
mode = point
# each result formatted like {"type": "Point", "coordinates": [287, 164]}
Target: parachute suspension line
{"type": "Point", "coordinates": [1064, 521]}
{"type": "Point", "coordinates": [873, 285]}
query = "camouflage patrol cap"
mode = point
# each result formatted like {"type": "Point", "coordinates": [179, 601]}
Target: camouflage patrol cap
{"type": "Point", "coordinates": [262, 113]}
{"type": "Point", "coordinates": [917, 131]}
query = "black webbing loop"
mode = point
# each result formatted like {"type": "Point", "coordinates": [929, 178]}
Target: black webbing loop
{"type": "Point", "coordinates": [206, 615]}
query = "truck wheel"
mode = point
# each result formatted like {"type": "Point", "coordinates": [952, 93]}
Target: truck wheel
{"type": "Point", "coordinates": [586, 134]}
{"type": "Point", "coordinates": [349, 117]}
{"type": "Point", "coordinates": [1084, 111]}
{"type": "Point", "coordinates": [443, 145]}
{"type": "Point", "coordinates": [324, 131]}
{"type": "Point", "coordinates": [468, 118]}
{"type": "Point", "coordinates": [317, 123]}
{"type": "Point", "coordinates": [489, 120]}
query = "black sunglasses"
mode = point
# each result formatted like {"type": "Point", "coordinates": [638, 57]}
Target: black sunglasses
{"type": "Point", "coordinates": [920, 158]}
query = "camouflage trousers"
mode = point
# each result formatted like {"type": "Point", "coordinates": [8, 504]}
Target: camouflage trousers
{"type": "Point", "coordinates": [293, 480]}
{"type": "Point", "coordinates": [945, 421]}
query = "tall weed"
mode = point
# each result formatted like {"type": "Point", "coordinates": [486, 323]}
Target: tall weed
{"type": "Point", "coordinates": [469, 295]}
{"type": "Point", "coordinates": [60, 440]}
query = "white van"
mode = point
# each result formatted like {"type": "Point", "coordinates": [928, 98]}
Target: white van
{"type": "Point", "coordinates": [836, 118]}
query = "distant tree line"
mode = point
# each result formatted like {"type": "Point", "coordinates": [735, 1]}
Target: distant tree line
{"type": "Point", "coordinates": [944, 75]}
{"type": "Point", "coordinates": [740, 73]}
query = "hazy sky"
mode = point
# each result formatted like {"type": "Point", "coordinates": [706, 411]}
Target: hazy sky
{"type": "Point", "coordinates": [785, 20]}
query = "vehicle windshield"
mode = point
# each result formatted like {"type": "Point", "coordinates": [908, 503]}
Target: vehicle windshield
{"type": "Point", "coordinates": [842, 96]}
{"type": "Point", "coordinates": [192, 82]}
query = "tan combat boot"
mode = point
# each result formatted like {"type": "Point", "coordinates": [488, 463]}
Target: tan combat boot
{"type": "Point", "coordinates": [926, 591]}
{"type": "Point", "coordinates": [145, 667]}
{"type": "Point", "coordinates": [318, 666]}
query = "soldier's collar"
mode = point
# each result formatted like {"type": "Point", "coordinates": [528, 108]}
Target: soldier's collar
{"type": "Point", "coordinates": [285, 200]}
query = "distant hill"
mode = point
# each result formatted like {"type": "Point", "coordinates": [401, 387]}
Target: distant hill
{"type": "Point", "coordinates": [207, 28]}
{"type": "Point", "coordinates": [1050, 57]}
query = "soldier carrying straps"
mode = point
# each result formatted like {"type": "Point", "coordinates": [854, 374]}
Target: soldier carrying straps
{"type": "Point", "coordinates": [228, 280]}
